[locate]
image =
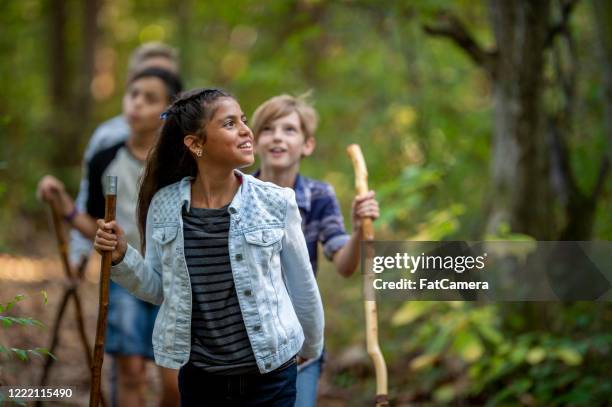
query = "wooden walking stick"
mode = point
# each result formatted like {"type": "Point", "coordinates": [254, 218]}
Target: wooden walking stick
{"type": "Point", "coordinates": [70, 292]}
{"type": "Point", "coordinates": [371, 317]}
{"type": "Point", "coordinates": [98, 359]}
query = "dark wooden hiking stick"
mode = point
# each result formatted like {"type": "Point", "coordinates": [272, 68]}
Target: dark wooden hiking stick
{"type": "Point", "coordinates": [98, 359]}
{"type": "Point", "coordinates": [371, 316]}
{"type": "Point", "coordinates": [62, 243]}
{"type": "Point", "coordinates": [71, 292]}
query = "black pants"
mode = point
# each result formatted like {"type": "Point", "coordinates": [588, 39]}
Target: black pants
{"type": "Point", "coordinates": [201, 389]}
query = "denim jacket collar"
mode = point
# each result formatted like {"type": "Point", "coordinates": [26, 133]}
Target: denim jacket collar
{"type": "Point", "coordinates": [235, 205]}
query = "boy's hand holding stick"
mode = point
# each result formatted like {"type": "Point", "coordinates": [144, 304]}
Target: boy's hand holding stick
{"type": "Point", "coordinates": [371, 317]}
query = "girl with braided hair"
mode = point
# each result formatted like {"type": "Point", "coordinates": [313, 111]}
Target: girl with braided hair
{"type": "Point", "coordinates": [225, 256]}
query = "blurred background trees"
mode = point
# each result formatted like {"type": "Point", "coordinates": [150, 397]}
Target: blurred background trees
{"type": "Point", "coordinates": [511, 109]}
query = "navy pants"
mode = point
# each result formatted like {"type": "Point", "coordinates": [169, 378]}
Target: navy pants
{"type": "Point", "coordinates": [201, 389]}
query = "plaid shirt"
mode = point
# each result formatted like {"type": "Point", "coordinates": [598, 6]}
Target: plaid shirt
{"type": "Point", "coordinates": [322, 219]}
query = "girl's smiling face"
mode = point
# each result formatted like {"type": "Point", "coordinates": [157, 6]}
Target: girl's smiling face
{"type": "Point", "coordinates": [281, 142]}
{"type": "Point", "coordinates": [228, 140]}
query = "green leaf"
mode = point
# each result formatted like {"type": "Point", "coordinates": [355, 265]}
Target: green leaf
{"type": "Point", "coordinates": [21, 354]}
{"type": "Point", "coordinates": [535, 355]}
{"type": "Point", "coordinates": [468, 346]}
{"type": "Point", "coordinates": [490, 333]}
{"type": "Point", "coordinates": [569, 356]}
{"type": "Point", "coordinates": [6, 321]}
{"type": "Point", "coordinates": [445, 393]}
{"type": "Point", "coordinates": [12, 303]}
{"type": "Point", "coordinates": [518, 354]}
{"type": "Point", "coordinates": [423, 361]}
{"type": "Point", "coordinates": [440, 341]}
{"type": "Point", "coordinates": [44, 351]}
{"type": "Point", "coordinates": [409, 312]}
{"type": "Point", "coordinates": [45, 296]}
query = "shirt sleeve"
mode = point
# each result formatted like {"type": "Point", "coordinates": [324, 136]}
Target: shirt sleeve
{"type": "Point", "coordinates": [332, 234]}
{"type": "Point", "coordinates": [142, 276]}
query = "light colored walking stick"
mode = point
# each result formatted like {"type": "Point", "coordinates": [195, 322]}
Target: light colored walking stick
{"type": "Point", "coordinates": [371, 317]}
{"type": "Point", "coordinates": [98, 359]}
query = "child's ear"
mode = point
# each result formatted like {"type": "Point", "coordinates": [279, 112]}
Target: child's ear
{"type": "Point", "coordinates": [309, 146]}
{"type": "Point", "coordinates": [192, 143]}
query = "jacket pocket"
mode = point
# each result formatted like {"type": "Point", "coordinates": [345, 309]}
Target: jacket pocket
{"type": "Point", "coordinates": [164, 237]}
{"type": "Point", "coordinates": [164, 234]}
{"type": "Point", "coordinates": [264, 237]}
{"type": "Point", "coordinates": [263, 245]}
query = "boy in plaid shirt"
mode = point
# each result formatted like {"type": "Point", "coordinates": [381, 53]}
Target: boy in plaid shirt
{"type": "Point", "coordinates": [284, 128]}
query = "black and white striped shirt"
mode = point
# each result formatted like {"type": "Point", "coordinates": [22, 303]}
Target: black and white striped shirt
{"type": "Point", "coordinates": [219, 341]}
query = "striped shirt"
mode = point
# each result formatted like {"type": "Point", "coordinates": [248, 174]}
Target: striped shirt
{"type": "Point", "coordinates": [219, 341]}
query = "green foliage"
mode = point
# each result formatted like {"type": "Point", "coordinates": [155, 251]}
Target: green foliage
{"type": "Point", "coordinates": [7, 321]}
{"type": "Point", "coordinates": [464, 352]}
{"type": "Point", "coordinates": [418, 106]}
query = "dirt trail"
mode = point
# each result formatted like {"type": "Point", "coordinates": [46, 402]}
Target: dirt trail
{"type": "Point", "coordinates": [21, 275]}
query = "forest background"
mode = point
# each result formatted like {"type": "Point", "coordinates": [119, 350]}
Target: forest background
{"type": "Point", "coordinates": [478, 120]}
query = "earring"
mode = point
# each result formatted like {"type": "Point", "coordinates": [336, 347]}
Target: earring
{"type": "Point", "coordinates": [199, 152]}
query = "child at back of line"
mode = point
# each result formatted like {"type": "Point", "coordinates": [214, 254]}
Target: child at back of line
{"type": "Point", "coordinates": [130, 320]}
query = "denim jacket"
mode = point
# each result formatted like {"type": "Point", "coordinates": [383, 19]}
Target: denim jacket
{"type": "Point", "coordinates": [277, 292]}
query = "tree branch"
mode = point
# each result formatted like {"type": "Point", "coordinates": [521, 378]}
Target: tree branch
{"type": "Point", "coordinates": [448, 25]}
{"type": "Point", "coordinates": [560, 162]}
{"type": "Point", "coordinates": [601, 177]}
{"type": "Point", "coordinates": [562, 26]}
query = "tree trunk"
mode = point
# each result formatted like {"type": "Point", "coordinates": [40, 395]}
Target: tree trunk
{"type": "Point", "coordinates": [82, 109]}
{"type": "Point", "coordinates": [580, 206]}
{"type": "Point", "coordinates": [57, 56]}
{"type": "Point", "coordinates": [521, 193]}
{"type": "Point", "coordinates": [603, 24]}
{"type": "Point", "coordinates": [60, 83]}
{"type": "Point", "coordinates": [184, 13]}
{"type": "Point", "coordinates": [70, 88]}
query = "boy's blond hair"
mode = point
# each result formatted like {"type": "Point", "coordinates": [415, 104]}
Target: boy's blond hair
{"type": "Point", "coordinates": [283, 105]}
{"type": "Point", "coordinates": [150, 50]}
